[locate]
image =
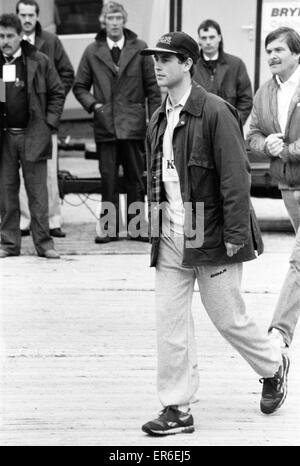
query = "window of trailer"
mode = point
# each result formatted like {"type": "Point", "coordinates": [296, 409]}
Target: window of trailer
{"type": "Point", "coordinates": [77, 16]}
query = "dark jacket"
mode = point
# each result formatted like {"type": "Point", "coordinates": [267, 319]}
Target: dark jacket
{"type": "Point", "coordinates": [264, 121]}
{"type": "Point", "coordinates": [213, 168]}
{"type": "Point", "coordinates": [46, 96]}
{"type": "Point", "coordinates": [230, 81]}
{"type": "Point", "coordinates": [51, 46]}
{"type": "Point", "coordinates": [123, 93]}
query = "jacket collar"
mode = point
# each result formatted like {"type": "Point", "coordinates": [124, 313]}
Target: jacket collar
{"type": "Point", "coordinates": [38, 29]}
{"type": "Point", "coordinates": [28, 50]}
{"type": "Point", "coordinates": [221, 57]}
{"type": "Point", "coordinates": [194, 104]}
{"type": "Point", "coordinates": [128, 52]}
{"type": "Point", "coordinates": [39, 40]}
{"type": "Point", "coordinates": [129, 35]}
{"type": "Point", "coordinates": [222, 68]}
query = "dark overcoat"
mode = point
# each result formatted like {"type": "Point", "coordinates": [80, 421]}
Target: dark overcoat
{"type": "Point", "coordinates": [231, 82]}
{"type": "Point", "coordinates": [45, 97]}
{"type": "Point", "coordinates": [123, 92]}
{"type": "Point", "coordinates": [50, 45]}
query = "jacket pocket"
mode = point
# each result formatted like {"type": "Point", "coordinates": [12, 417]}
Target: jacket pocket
{"type": "Point", "coordinates": [40, 86]}
{"type": "Point", "coordinates": [292, 174]}
{"type": "Point", "coordinates": [286, 173]}
{"type": "Point", "coordinates": [204, 184]}
{"type": "Point", "coordinates": [103, 121]}
{"type": "Point", "coordinates": [213, 226]}
{"type": "Point", "coordinates": [131, 121]}
{"type": "Point", "coordinates": [38, 143]}
{"type": "Point", "coordinates": [277, 170]}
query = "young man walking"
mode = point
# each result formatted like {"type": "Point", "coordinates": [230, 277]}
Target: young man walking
{"type": "Point", "coordinates": [199, 185]}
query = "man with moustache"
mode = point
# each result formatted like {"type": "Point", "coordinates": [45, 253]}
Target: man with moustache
{"type": "Point", "coordinates": [124, 86]}
{"type": "Point", "coordinates": [34, 98]}
{"type": "Point", "coordinates": [275, 133]}
{"type": "Point", "coordinates": [50, 44]}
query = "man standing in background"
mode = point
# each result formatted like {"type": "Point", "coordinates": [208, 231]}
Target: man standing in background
{"type": "Point", "coordinates": [48, 43]}
{"type": "Point", "coordinates": [34, 99]}
{"type": "Point", "coordinates": [221, 73]}
{"type": "Point", "coordinates": [123, 84]}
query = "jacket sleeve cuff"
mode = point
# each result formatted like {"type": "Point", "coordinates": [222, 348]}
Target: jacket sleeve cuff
{"type": "Point", "coordinates": [91, 107]}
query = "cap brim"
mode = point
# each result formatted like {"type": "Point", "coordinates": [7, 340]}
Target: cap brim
{"type": "Point", "coordinates": [157, 50]}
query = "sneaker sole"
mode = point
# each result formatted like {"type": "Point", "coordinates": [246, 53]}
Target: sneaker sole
{"type": "Point", "coordinates": [285, 391]}
{"type": "Point", "coordinates": [177, 430]}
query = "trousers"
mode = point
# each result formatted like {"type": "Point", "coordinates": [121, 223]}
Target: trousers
{"type": "Point", "coordinates": [55, 219]}
{"type": "Point", "coordinates": [35, 176]}
{"type": "Point", "coordinates": [287, 309]}
{"type": "Point", "coordinates": [130, 155]}
{"type": "Point", "coordinates": [219, 286]}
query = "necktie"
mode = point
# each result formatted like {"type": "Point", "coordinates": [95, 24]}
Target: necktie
{"type": "Point", "coordinates": [115, 53]}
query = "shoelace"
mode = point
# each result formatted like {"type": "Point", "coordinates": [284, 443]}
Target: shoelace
{"type": "Point", "coordinates": [173, 409]}
{"type": "Point", "coordinates": [273, 381]}
{"type": "Point", "coordinates": [167, 409]}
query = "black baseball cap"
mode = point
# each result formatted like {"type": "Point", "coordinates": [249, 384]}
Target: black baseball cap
{"type": "Point", "coordinates": [175, 42]}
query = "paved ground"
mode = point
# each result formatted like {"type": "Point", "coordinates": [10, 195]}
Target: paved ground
{"type": "Point", "coordinates": [78, 346]}
{"type": "Point", "coordinates": [78, 349]}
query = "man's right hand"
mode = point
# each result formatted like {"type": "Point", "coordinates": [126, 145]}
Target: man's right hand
{"type": "Point", "coordinates": [97, 107]}
{"type": "Point", "coordinates": [274, 143]}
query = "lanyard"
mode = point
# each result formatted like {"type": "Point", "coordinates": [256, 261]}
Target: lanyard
{"type": "Point", "coordinates": [9, 62]}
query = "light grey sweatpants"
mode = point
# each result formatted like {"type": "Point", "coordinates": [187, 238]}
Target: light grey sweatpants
{"type": "Point", "coordinates": [287, 311]}
{"type": "Point", "coordinates": [220, 293]}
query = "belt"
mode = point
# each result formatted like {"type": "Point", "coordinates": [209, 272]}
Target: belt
{"type": "Point", "coordinates": [16, 130]}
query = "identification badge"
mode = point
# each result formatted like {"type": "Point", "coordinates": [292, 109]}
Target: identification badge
{"type": "Point", "coordinates": [9, 73]}
{"type": "Point", "coordinates": [169, 170]}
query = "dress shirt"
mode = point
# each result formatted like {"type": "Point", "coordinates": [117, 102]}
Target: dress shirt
{"type": "Point", "coordinates": [17, 54]}
{"type": "Point", "coordinates": [120, 43]}
{"type": "Point", "coordinates": [207, 58]}
{"type": "Point", "coordinates": [285, 92]}
{"type": "Point", "coordinates": [30, 38]}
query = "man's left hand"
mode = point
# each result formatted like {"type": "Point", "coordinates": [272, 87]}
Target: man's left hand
{"type": "Point", "coordinates": [232, 249]}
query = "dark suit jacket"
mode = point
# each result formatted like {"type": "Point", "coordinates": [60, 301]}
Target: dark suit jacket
{"type": "Point", "coordinates": [50, 44]}
{"type": "Point", "coordinates": [230, 81]}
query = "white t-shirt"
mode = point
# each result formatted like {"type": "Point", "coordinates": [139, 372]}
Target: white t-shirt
{"type": "Point", "coordinates": [173, 215]}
